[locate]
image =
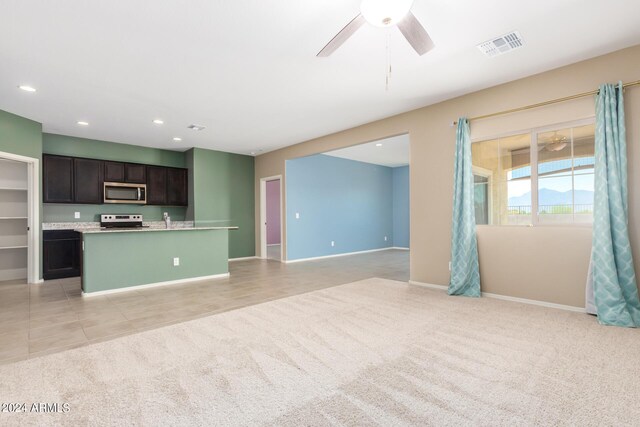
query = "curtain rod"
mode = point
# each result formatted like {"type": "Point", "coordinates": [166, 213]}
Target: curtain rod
{"type": "Point", "coordinates": [542, 104]}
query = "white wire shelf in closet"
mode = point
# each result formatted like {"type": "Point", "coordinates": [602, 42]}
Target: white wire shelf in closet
{"type": "Point", "coordinates": [14, 204]}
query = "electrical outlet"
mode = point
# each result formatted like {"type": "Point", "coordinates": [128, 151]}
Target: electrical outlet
{"type": "Point", "coordinates": [385, 238]}
{"type": "Point", "coordinates": [176, 262]}
{"type": "Point", "coordinates": [297, 215]}
{"type": "Point", "coordinates": [333, 243]}
{"type": "Point", "coordinates": [76, 215]}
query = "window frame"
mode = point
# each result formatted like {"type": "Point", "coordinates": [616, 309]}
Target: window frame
{"type": "Point", "coordinates": [533, 149]}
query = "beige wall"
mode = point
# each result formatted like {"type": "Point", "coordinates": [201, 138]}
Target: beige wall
{"type": "Point", "coordinates": [542, 263]}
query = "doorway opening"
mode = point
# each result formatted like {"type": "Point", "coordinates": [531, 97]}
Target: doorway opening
{"type": "Point", "coordinates": [19, 218]}
{"type": "Point", "coordinates": [349, 201]}
{"type": "Point", "coordinates": [271, 218]}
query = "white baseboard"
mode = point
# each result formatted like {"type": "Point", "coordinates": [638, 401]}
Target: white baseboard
{"type": "Point", "coordinates": [400, 248]}
{"type": "Point", "coordinates": [535, 302]}
{"type": "Point", "coordinates": [289, 261]}
{"type": "Point", "coordinates": [509, 298]}
{"type": "Point", "coordinates": [242, 258]}
{"type": "Point", "coordinates": [13, 274]}
{"type": "Point", "coordinates": [153, 285]}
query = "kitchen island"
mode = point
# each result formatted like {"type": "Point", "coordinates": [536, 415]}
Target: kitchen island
{"type": "Point", "coordinates": [118, 259]}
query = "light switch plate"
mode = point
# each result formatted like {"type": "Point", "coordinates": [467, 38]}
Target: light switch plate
{"type": "Point", "coordinates": [297, 215]}
{"type": "Point", "coordinates": [76, 215]}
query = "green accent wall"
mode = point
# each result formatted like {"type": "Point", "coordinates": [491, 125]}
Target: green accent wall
{"type": "Point", "coordinates": [104, 150]}
{"type": "Point", "coordinates": [94, 149]}
{"type": "Point", "coordinates": [123, 259]}
{"type": "Point", "coordinates": [20, 136]}
{"type": "Point", "coordinates": [23, 137]}
{"type": "Point", "coordinates": [54, 212]}
{"type": "Point", "coordinates": [223, 195]}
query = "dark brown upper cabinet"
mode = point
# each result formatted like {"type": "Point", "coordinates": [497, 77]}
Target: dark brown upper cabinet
{"type": "Point", "coordinates": [125, 172]}
{"type": "Point", "coordinates": [135, 174]}
{"type": "Point", "coordinates": [177, 187]}
{"type": "Point", "coordinates": [57, 179]}
{"type": "Point", "coordinates": [114, 172]}
{"type": "Point", "coordinates": [156, 185]}
{"type": "Point", "coordinates": [79, 180]}
{"type": "Point", "coordinates": [88, 181]}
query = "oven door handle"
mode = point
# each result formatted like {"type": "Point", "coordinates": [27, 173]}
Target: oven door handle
{"type": "Point", "coordinates": [139, 195]}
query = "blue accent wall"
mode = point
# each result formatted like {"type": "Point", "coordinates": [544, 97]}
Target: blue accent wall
{"type": "Point", "coordinates": [342, 200]}
{"type": "Point", "coordinates": [401, 206]}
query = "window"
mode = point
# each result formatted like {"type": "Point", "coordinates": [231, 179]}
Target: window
{"type": "Point", "coordinates": [506, 165]}
{"type": "Point", "coordinates": [557, 190]}
{"type": "Point", "coordinates": [481, 194]}
{"type": "Point", "coordinates": [566, 175]}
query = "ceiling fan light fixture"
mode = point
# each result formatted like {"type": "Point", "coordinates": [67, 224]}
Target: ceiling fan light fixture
{"type": "Point", "coordinates": [556, 146]}
{"type": "Point", "coordinates": [385, 13]}
{"type": "Point", "coordinates": [557, 143]}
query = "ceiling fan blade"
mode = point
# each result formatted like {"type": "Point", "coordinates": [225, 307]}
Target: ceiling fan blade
{"type": "Point", "coordinates": [342, 36]}
{"type": "Point", "coordinates": [416, 35]}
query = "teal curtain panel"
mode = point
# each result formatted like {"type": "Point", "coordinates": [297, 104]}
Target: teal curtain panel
{"type": "Point", "coordinates": [465, 272]}
{"type": "Point", "coordinates": [614, 279]}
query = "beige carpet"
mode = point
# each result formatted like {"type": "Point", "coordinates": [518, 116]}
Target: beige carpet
{"type": "Point", "coordinates": [375, 352]}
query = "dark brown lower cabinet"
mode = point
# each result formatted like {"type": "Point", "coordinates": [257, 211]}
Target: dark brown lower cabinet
{"type": "Point", "coordinates": [61, 254]}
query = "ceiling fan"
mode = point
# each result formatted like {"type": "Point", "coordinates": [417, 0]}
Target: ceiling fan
{"type": "Point", "coordinates": [556, 143]}
{"type": "Point", "coordinates": [385, 13]}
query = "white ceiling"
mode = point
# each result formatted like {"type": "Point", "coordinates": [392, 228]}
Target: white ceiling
{"type": "Point", "coordinates": [393, 152]}
{"type": "Point", "coordinates": [247, 70]}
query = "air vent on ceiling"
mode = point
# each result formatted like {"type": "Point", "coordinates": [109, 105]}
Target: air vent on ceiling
{"type": "Point", "coordinates": [195, 127]}
{"type": "Point", "coordinates": [502, 44]}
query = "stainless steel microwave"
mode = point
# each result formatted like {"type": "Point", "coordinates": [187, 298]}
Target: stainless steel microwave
{"type": "Point", "coordinates": [117, 192]}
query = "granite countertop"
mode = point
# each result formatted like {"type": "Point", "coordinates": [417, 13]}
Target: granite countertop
{"type": "Point", "coordinates": [141, 230]}
{"type": "Point", "coordinates": [96, 225]}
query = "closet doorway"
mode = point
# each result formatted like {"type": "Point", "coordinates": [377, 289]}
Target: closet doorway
{"type": "Point", "coordinates": [19, 218]}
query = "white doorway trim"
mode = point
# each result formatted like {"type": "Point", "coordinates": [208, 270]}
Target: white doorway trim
{"type": "Point", "coordinates": [263, 216]}
{"type": "Point", "coordinates": [33, 212]}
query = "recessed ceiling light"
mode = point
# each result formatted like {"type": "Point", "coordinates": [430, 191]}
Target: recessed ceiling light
{"type": "Point", "coordinates": [177, 139]}
{"type": "Point", "coordinates": [83, 123]}
{"type": "Point", "coordinates": [378, 145]}
{"type": "Point", "coordinates": [253, 153]}
{"type": "Point", "coordinates": [27, 88]}
{"type": "Point", "coordinates": [195, 127]}
{"type": "Point", "coordinates": [158, 121]}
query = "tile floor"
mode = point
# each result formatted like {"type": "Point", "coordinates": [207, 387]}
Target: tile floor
{"type": "Point", "coordinates": [54, 316]}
